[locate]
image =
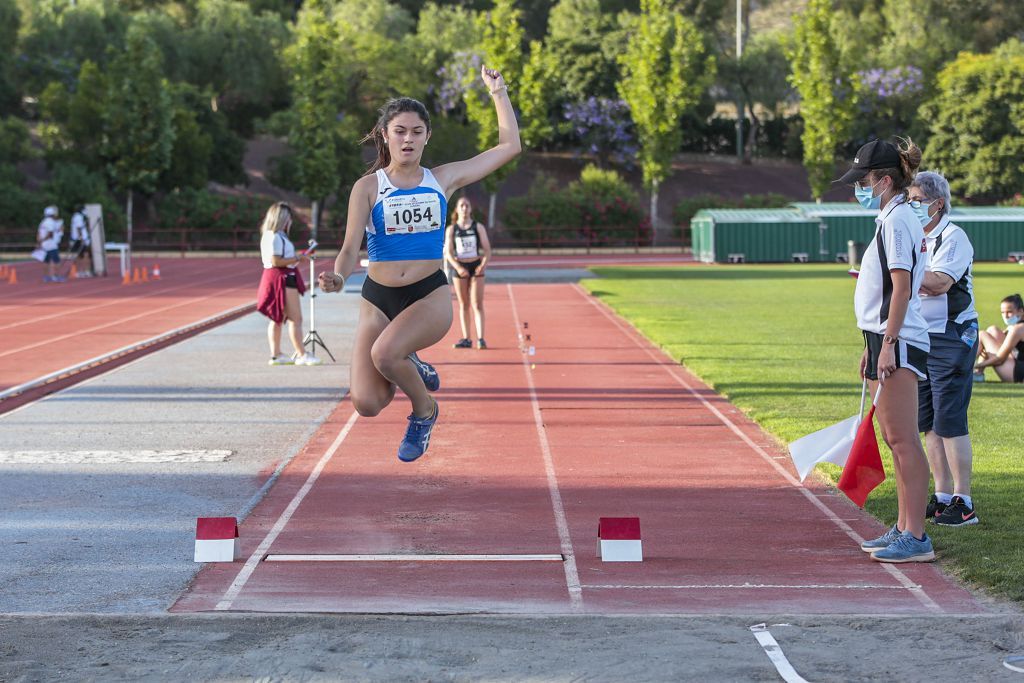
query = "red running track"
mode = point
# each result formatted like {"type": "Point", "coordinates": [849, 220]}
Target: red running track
{"type": "Point", "coordinates": [49, 327]}
{"type": "Point", "coordinates": [525, 460]}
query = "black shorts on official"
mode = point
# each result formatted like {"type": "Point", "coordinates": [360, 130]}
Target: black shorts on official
{"type": "Point", "coordinates": [78, 247]}
{"type": "Point", "coordinates": [943, 398]}
{"type": "Point", "coordinates": [470, 267]}
{"type": "Point", "coordinates": [907, 356]}
{"type": "Point", "coordinates": [291, 280]}
{"type": "Point", "coordinates": [393, 300]}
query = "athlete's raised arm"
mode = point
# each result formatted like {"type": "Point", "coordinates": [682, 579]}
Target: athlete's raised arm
{"type": "Point", "coordinates": [461, 173]}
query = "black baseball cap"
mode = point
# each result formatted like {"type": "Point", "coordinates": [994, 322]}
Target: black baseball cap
{"type": "Point", "coordinates": [873, 155]}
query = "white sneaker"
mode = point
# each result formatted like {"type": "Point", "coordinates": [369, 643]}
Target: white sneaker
{"type": "Point", "coordinates": [308, 359]}
{"type": "Point", "coordinates": [281, 359]}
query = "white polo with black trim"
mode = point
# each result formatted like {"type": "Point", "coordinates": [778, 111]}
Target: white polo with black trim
{"type": "Point", "coordinates": [898, 244]}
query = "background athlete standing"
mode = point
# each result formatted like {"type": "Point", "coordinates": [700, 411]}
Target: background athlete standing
{"type": "Point", "coordinates": [406, 306]}
{"type": "Point", "coordinates": [467, 249]}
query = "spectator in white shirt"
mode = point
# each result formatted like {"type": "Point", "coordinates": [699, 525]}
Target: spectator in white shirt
{"type": "Point", "coordinates": [80, 242]}
{"type": "Point", "coordinates": [48, 238]}
{"type": "Point", "coordinates": [947, 303]}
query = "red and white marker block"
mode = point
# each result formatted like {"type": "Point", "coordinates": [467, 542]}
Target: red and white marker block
{"type": "Point", "coordinates": [618, 539]}
{"type": "Point", "coordinates": [216, 539]}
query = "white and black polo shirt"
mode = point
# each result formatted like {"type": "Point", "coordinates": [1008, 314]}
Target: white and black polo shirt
{"type": "Point", "coordinates": [950, 252]}
{"type": "Point", "coordinates": [898, 244]}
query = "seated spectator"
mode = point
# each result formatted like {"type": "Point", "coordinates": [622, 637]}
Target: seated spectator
{"type": "Point", "coordinates": [1004, 350]}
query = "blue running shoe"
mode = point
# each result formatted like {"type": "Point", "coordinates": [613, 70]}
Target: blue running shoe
{"type": "Point", "coordinates": [906, 548]}
{"type": "Point", "coordinates": [882, 541]}
{"type": "Point", "coordinates": [431, 380]}
{"type": "Point", "coordinates": [417, 436]}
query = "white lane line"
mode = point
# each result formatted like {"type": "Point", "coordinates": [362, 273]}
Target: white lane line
{"type": "Point", "coordinates": [572, 577]}
{"type": "Point", "coordinates": [187, 302]}
{"type": "Point", "coordinates": [119, 300]}
{"type": "Point", "coordinates": [254, 560]}
{"type": "Point", "coordinates": [110, 457]}
{"type": "Point", "coordinates": [774, 652]}
{"type": "Point", "coordinates": [111, 355]}
{"type": "Point", "coordinates": [634, 334]}
{"type": "Point", "coordinates": [414, 558]}
{"type": "Point", "coordinates": [745, 586]}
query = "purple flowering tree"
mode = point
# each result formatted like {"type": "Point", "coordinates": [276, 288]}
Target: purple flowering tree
{"type": "Point", "coordinates": [889, 99]}
{"type": "Point", "coordinates": [601, 127]}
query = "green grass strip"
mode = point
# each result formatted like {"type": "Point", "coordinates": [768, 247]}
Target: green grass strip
{"type": "Point", "coordinates": [781, 343]}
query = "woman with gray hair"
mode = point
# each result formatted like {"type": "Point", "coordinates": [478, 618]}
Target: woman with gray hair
{"type": "Point", "coordinates": [947, 302]}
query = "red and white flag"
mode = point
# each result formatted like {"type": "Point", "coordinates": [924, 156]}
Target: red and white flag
{"type": "Point", "coordinates": [863, 470]}
{"type": "Point", "coordinates": [831, 444]}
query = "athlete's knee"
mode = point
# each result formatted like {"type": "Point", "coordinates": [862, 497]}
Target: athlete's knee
{"type": "Point", "coordinates": [385, 358]}
{"type": "Point", "coordinates": [370, 405]}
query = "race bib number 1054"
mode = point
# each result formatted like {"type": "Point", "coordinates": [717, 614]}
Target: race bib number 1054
{"type": "Point", "coordinates": [411, 213]}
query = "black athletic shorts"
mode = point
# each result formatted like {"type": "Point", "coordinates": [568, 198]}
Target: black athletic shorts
{"type": "Point", "coordinates": [907, 356]}
{"type": "Point", "coordinates": [393, 300]}
{"type": "Point", "coordinates": [78, 248]}
{"type": "Point", "coordinates": [942, 399]}
{"type": "Point", "coordinates": [290, 280]}
{"type": "Point", "coordinates": [470, 266]}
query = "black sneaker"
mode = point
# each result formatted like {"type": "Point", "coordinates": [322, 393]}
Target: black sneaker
{"type": "Point", "coordinates": [481, 344]}
{"type": "Point", "coordinates": [934, 508]}
{"type": "Point", "coordinates": [957, 514]}
{"type": "Point", "coordinates": [463, 344]}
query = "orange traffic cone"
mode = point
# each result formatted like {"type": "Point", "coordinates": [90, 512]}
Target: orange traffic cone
{"type": "Point", "coordinates": [145, 274]}
{"type": "Point", "coordinates": [156, 271]}
{"type": "Point", "coordinates": [127, 279]}
{"type": "Point", "coordinates": [13, 279]}
{"type": "Point", "coordinates": [3, 272]}
{"type": "Point", "coordinates": [136, 277]}
{"type": "Point", "coordinates": [74, 271]}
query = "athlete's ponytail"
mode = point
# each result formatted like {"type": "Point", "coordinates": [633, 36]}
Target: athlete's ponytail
{"type": "Point", "coordinates": [387, 112]}
{"type": "Point", "coordinates": [1015, 301]}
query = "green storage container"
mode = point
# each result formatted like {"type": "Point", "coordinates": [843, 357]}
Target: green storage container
{"type": "Point", "coordinates": [996, 232]}
{"type": "Point", "coordinates": [841, 222]}
{"type": "Point", "coordinates": [755, 236]}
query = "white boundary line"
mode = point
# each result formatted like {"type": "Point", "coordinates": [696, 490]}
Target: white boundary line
{"type": "Point", "coordinates": [633, 334]}
{"type": "Point", "coordinates": [775, 653]}
{"type": "Point", "coordinates": [811, 586]}
{"type": "Point", "coordinates": [114, 302]}
{"type": "Point", "coordinates": [144, 314]}
{"type": "Point", "coordinates": [40, 381]}
{"type": "Point", "coordinates": [413, 558]}
{"type": "Point", "coordinates": [572, 577]}
{"type": "Point", "coordinates": [254, 560]}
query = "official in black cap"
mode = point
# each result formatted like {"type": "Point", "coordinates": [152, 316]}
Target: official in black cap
{"type": "Point", "coordinates": [896, 341]}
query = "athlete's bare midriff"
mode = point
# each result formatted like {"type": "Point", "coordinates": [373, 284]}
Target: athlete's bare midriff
{"type": "Point", "coordinates": [401, 273]}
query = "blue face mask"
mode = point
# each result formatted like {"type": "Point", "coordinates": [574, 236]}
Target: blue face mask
{"type": "Point", "coordinates": [921, 210]}
{"type": "Point", "coordinates": [1011, 320]}
{"type": "Point", "coordinates": [865, 196]}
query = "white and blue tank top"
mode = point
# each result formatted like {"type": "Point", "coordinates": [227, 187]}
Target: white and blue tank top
{"type": "Point", "coordinates": [407, 225]}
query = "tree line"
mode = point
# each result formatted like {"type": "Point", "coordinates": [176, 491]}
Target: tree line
{"type": "Point", "coordinates": [137, 98]}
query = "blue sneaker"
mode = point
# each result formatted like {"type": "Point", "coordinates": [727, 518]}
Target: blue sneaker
{"type": "Point", "coordinates": [431, 380]}
{"type": "Point", "coordinates": [906, 548]}
{"type": "Point", "coordinates": [417, 436]}
{"type": "Point", "coordinates": [882, 541]}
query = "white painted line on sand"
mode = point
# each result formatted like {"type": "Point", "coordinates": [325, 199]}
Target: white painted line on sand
{"type": "Point", "coordinates": [414, 558]}
{"type": "Point", "coordinates": [572, 577]}
{"type": "Point", "coordinates": [261, 551]}
{"type": "Point", "coordinates": [634, 334]}
{"type": "Point", "coordinates": [775, 653]}
{"type": "Point", "coordinates": [110, 457]}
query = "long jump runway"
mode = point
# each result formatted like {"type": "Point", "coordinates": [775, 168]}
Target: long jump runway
{"type": "Point", "coordinates": [501, 514]}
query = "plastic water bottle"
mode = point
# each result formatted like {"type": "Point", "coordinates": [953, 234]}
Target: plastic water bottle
{"type": "Point", "coordinates": [970, 335]}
